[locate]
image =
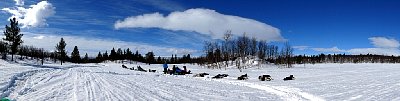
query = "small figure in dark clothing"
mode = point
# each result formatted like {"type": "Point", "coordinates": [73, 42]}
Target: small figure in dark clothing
{"type": "Point", "coordinates": [291, 77]}
{"type": "Point", "coordinates": [165, 66]}
{"type": "Point", "coordinates": [173, 70]}
{"type": "Point", "coordinates": [185, 71]}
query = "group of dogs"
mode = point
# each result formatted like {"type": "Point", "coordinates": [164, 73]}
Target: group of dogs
{"type": "Point", "coordinates": [265, 77]}
{"type": "Point", "coordinates": [244, 77]}
{"type": "Point", "coordinates": [138, 69]}
{"type": "Point", "coordinates": [219, 76]}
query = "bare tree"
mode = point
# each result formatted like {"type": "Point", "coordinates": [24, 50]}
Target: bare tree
{"type": "Point", "coordinates": [262, 49]}
{"type": "Point", "coordinates": [243, 50]}
{"type": "Point", "coordinates": [209, 48]}
{"type": "Point", "coordinates": [287, 54]}
{"type": "Point", "coordinates": [253, 46]}
{"type": "Point", "coordinates": [226, 49]}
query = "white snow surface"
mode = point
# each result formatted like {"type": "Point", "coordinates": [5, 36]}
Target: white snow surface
{"type": "Point", "coordinates": [28, 81]}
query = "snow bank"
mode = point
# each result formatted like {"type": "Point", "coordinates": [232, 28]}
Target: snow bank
{"type": "Point", "coordinates": [28, 81]}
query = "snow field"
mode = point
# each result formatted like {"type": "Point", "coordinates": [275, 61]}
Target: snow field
{"type": "Point", "coordinates": [27, 81]}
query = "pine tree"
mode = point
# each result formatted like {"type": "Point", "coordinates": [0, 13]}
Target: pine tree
{"type": "Point", "coordinates": [60, 47]}
{"type": "Point", "coordinates": [172, 60]}
{"type": "Point", "coordinates": [3, 49]}
{"type": "Point", "coordinates": [13, 36]}
{"type": "Point", "coordinates": [159, 60]}
{"type": "Point", "coordinates": [136, 56]}
{"type": "Point", "coordinates": [105, 56]}
{"type": "Point", "coordinates": [188, 59]}
{"type": "Point", "coordinates": [119, 54]}
{"type": "Point", "coordinates": [113, 54]}
{"type": "Point", "coordinates": [86, 58]}
{"type": "Point", "coordinates": [140, 58]}
{"type": "Point", "coordinates": [128, 54]}
{"type": "Point", "coordinates": [150, 57]}
{"type": "Point", "coordinates": [99, 57]}
{"type": "Point", "coordinates": [75, 57]}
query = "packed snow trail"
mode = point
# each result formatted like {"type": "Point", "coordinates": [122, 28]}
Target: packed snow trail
{"type": "Point", "coordinates": [98, 83]}
{"type": "Point", "coordinates": [26, 81]}
{"type": "Point", "coordinates": [286, 93]}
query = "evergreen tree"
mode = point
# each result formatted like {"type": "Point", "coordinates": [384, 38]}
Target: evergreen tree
{"type": "Point", "coordinates": [60, 47]}
{"type": "Point", "coordinates": [159, 60]}
{"type": "Point", "coordinates": [113, 54]}
{"type": "Point", "coordinates": [141, 58]}
{"type": "Point", "coordinates": [105, 56]}
{"type": "Point", "coordinates": [128, 54]}
{"type": "Point", "coordinates": [188, 59]}
{"type": "Point", "coordinates": [150, 57]}
{"type": "Point", "coordinates": [86, 58]}
{"type": "Point", "coordinates": [136, 56]}
{"type": "Point", "coordinates": [75, 57]}
{"type": "Point", "coordinates": [13, 36]}
{"type": "Point", "coordinates": [3, 49]}
{"type": "Point", "coordinates": [176, 59]}
{"type": "Point", "coordinates": [99, 57]}
{"type": "Point", "coordinates": [172, 60]}
{"type": "Point", "coordinates": [119, 54]}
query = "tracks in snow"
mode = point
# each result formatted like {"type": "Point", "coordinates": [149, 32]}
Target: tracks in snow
{"type": "Point", "coordinates": [99, 83]}
{"type": "Point", "coordinates": [286, 93]}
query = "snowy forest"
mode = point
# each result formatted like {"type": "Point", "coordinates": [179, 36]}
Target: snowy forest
{"type": "Point", "coordinates": [217, 54]}
{"type": "Point", "coordinates": [213, 50]}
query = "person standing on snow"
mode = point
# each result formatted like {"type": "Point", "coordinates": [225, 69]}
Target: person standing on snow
{"type": "Point", "coordinates": [165, 67]}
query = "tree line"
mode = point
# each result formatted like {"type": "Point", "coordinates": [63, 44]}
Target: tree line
{"type": "Point", "coordinates": [242, 48]}
{"type": "Point", "coordinates": [12, 44]}
{"type": "Point", "coordinates": [344, 58]}
{"type": "Point", "coordinates": [217, 54]}
{"type": "Point", "coordinates": [239, 50]}
{"type": "Point", "coordinates": [116, 54]}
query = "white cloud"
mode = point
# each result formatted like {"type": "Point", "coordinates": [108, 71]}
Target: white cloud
{"type": "Point", "coordinates": [19, 2]}
{"type": "Point", "coordinates": [380, 51]}
{"type": "Point", "coordinates": [39, 37]}
{"type": "Point", "coordinates": [34, 16]}
{"type": "Point", "coordinates": [382, 46]}
{"type": "Point", "coordinates": [203, 21]}
{"type": "Point", "coordinates": [383, 42]}
{"type": "Point", "coordinates": [328, 50]}
{"type": "Point", "coordinates": [93, 45]}
{"type": "Point", "coordinates": [301, 47]}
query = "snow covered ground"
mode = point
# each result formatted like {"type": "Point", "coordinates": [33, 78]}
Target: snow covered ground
{"type": "Point", "coordinates": [28, 81]}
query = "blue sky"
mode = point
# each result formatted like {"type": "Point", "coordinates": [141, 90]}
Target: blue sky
{"type": "Point", "coordinates": [180, 27]}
